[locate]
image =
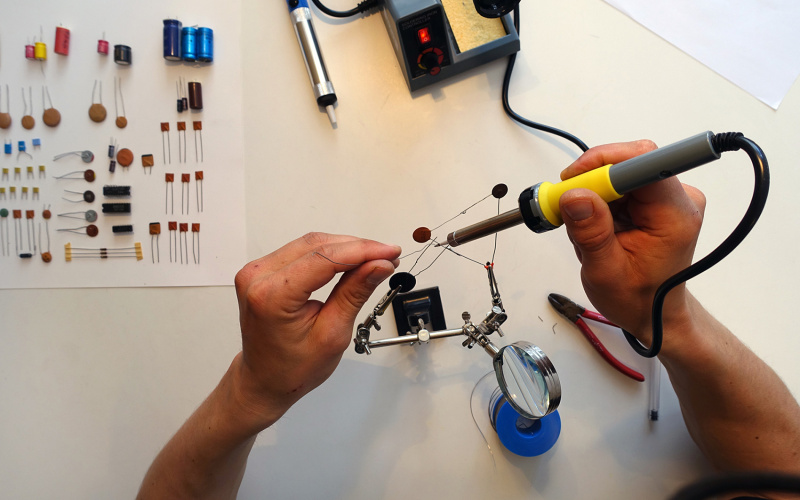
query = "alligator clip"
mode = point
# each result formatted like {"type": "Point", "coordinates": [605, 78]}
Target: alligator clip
{"type": "Point", "coordinates": [576, 313]}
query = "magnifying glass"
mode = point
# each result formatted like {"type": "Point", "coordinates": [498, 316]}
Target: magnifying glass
{"type": "Point", "coordinates": [528, 379]}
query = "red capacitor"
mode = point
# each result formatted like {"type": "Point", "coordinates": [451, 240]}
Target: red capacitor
{"type": "Point", "coordinates": [62, 41]}
{"type": "Point", "coordinates": [30, 52]}
{"type": "Point", "coordinates": [102, 47]}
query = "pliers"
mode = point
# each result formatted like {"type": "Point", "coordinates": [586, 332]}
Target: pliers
{"type": "Point", "coordinates": [576, 313]}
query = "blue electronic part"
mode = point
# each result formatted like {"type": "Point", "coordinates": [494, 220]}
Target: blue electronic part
{"type": "Point", "coordinates": [8, 148]}
{"type": "Point", "coordinates": [36, 142]}
{"type": "Point", "coordinates": [189, 44]}
{"type": "Point", "coordinates": [21, 146]}
{"type": "Point", "coordinates": [172, 39]}
{"type": "Point", "coordinates": [205, 44]}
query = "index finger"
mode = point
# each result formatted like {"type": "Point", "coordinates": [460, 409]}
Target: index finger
{"type": "Point", "coordinates": [599, 156]}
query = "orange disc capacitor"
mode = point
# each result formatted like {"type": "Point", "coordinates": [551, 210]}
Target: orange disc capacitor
{"type": "Point", "coordinates": [17, 214]}
{"type": "Point", "coordinates": [125, 157]}
{"type": "Point", "coordinates": [197, 125]}
{"type": "Point", "coordinates": [88, 175]}
{"type": "Point", "coordinates": [47, 214]}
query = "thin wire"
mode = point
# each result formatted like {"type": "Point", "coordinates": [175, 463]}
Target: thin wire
{"type": "Point", "coordinates": [434, 261]}
{"type": "Point", "coordinates": [427, 246]}
{"type": "Point", "coordinates": [447, 247]}
{"type": "Point", "coordinates": [494, 252]}
{"type": "Point", "coordinates": [461, 213]}
{"type": "Point", "coordinates": [328, 259]}
{"type": "Point", "coordinates": [472, 412]}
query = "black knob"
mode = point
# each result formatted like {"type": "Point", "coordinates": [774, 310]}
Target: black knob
{"type": "Point", "coordinates": [430, 61]}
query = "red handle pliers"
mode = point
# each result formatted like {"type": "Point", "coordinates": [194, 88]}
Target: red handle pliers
{"type": "Point", "coordinates": [576, 313]}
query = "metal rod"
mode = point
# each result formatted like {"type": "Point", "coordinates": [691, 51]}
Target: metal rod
{"type": "Point", "coordinates": [407, 339]}
{"type": "Point", "coordinates": [484, 228]}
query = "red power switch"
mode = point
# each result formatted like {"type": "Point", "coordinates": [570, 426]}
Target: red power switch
{"type": "Point", "coordinates": [424, 36]}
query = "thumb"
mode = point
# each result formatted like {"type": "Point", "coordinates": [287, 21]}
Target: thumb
{"type": "Point", "coordinates": [348, 297]}
{"type": "Point", "coordinates": [589, 225]}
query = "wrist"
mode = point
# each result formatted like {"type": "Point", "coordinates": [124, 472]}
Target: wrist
{"type": "Point", "coordinates": [256, 411]}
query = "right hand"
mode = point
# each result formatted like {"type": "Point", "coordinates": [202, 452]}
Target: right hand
{"type": "Point", "coordinates": [627, 252]}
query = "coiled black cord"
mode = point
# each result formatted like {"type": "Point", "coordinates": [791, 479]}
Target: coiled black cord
{"type": "Point", "coordinates": [731, 141]}
{"type": "Point", "coordinates": [524, 121]}
{"type": "Point", "coordinates": [362, 7]}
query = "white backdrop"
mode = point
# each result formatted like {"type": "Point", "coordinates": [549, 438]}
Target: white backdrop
{"type": "Point", "coordinates": [94, 381]}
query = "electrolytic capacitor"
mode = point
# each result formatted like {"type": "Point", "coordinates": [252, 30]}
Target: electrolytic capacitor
{"type": "Point", "coordinates": [122, 55]}
{"type": "Point", "coordinates": [189, 44]}
{"type": "Point", "coordinates": [205, 44]}
{"type": "Point", "coordinates": [172, 39]}
{"type": "Point", "coordinates": [102, 46]}
{"type": "Point", "coordinates": [195, 95]}
{"type": "Point", "coordinates": [62, 41]}
{"type": "Point", "coordinates": [40, 51]}
{"type": "Point", "coordinates": [30, 52]}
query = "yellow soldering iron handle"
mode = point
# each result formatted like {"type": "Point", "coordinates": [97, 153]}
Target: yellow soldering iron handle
{"type": "Point", "coordinates": [539, 204]}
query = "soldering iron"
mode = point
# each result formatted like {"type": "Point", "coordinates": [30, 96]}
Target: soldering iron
{"type": "Point", "coordinates": [539, 204]}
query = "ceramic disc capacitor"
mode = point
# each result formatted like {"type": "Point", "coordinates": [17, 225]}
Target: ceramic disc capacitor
{"type": "Point", "coordinates": [195, 95]}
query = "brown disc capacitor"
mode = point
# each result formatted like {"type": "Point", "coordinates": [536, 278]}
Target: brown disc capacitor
{"type": "Point", "coordinates": [121, 122]}
{"type": "Point", "coordinates": [5, 120]}
{"type": "Point", "coordinates": [46, 257]}
{"type": "Point", "coordinates": [125, 157]}
{"type": "Point", "coordinates": [422, 234]}
{"type": "Point", "coordinates": [51, 117]}
{"type": "Point", "coordinates": [28, 122]}
{"type": "Point", "coordinates": [92, 230]}
{"type": "Point", "coordinates": [97, 112]}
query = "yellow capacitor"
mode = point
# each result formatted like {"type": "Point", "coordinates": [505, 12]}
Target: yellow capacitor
{"type": "Point", "coordinates": [40, 51]}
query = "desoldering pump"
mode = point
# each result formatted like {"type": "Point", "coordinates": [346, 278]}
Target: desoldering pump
{"type": "Point", "coordinates": [539, 204]}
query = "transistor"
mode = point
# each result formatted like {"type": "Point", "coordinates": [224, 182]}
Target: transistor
{"type": "Point", "coordinates": [121, 121]}
{"type": "Point", "coordinates": [122, 229]}
{"type": "Point", "coordinates": [116, 190]}
{"type": "Point", "coordinates": [5, 116]}
{"type": "Point", "coordinates": [97, 112]}
{"type": "Point", "coordinates": [116, 208]}
{"type": "Point", "coordinates": [172, 226]}
{"type": "Point", "coordinates": [148, 162]}
{"type": "Point", "coordinates": [27, 118]}
{"type": "Point", "coordinates": [184, 240]}
{"type": "Point", "coordinates": [198, 187]}
{"type": "Point", "coordinates": [165, 144]}
{"type": "Point", "coordinates": [155, 233]}
{"type": "Point", "coordinates": [181, 142]}
{"type": "Point", "coordinates": [87, 175]}
{"type": "Point", "coordinates": [51, 116]}
{"type": "Point", "coordinates": [86, 155]}
{"type": "Point", "coordinates": [170, 183]}
{"type": "Point", "coordinates": [88, 216]}
{"type": "Point", "coordinates": [185, 178]}
{"type": "Point", "coordinates": [91, 230]}
{"type": "Point", "coordinates": [71, 252]}
{"type": "Point", "coordinates": [195, 236]}
{"type": "Point", "coordinates": [87, 196]}
{"type": "Point", "coordinates": [198, 128]}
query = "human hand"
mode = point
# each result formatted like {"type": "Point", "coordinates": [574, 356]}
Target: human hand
{"type": "Point", "coordinates": [629, 247]}
{"type": "Point", "coordinates": [291, 344]}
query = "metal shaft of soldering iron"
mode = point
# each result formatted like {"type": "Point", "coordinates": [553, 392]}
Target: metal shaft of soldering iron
{"type": "Point", "coordinates": [309, 46]}
{"type": "Point", "coordinates": [538, 205]}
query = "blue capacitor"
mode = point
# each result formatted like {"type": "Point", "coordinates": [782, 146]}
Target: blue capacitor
{"type": "Point", "coordinates": [8, 148]}
{"type": "Point", "coordinates": [189, 44]}
{"type": "Point", "coordinates": [172, 40]}
{"type": "Point", "coordinates": [21, 146]}
{"type": "Point", "coordinates": [205, 43]}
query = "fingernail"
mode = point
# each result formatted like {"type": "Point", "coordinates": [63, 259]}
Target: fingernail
{"type": "Point", "coordinates": [378, 276]}
{"type": "Point", "coordinates": [579, 209]}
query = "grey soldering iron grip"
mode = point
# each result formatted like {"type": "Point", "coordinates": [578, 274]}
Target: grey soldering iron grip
{"type": "Point", "coordinates": [663, 162]}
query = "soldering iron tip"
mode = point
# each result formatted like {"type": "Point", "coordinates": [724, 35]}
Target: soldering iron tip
{"type": "Point", "coordinates": [331, 114]}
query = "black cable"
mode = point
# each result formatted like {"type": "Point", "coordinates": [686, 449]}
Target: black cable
{"type": "Point", "coordinates": [524, 121]}
{"type": "Point", "coordinates": [362, 7]}
{"type": "Point", "coordinates": [732, 141]}
{"type": "Point", "coordinates": [734, 482]}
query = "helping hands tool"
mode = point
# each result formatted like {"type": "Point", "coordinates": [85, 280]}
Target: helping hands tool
{"type": "Point", "coordinates": [575, 314]}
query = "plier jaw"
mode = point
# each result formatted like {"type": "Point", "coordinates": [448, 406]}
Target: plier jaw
{"type": "Point", "coordinates": [575, 313]}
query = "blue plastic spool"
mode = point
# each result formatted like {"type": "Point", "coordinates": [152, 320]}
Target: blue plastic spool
{"type": "Point", "coordinates": [172, 40]}
{"type": "Point", "coordinates": [205, 43]}
{"type": "Point", "coordinates": [189, 44]}
{"type": "Point", "coordinates": [520, 435]}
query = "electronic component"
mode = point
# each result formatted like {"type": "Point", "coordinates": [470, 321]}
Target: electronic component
{"type": "Point", "coordinates": [169, 179]}
{"type": "Point", "coordinates": [165, 143]}
{"type": "Point", "coordinates": [27, 119]}
{"type": "Point", "coordinates": [181, 142]}
{"type": "Point", "coordinates": [185, 179]}
{"type": "Point", "coordinates": [122, 229]}
{"type": "Point", "coordinates": [116, 191]}
{"type": "Point", "coordinates": [87, 175]}
{"type": "Point", "coordinates": [91, 230]}
{"type": "Point", "coordinates": [88, 216]}
{"type": "Point", "coordinates": [97, 112]}
{"type": "Point", "coordinates": [183, 241]}
{"type": "Point", "coordinates": [172, 39]}
{"type": "Point", "coordinates": [198, 130]}
{"type": "Point", "coordinates": [121, 121]}
{"type": "Point", "coordinates": [87, 196]}
{"type": "Point", "coordinates": [205, 44]}
{"type": "Point", "coordinates": [172, 226]}
{"type": "Point", "coordinates": [86, 155]}
{"type": "Point", "coordinates": [71, 252]}
{"type": "Point", "coordinates": [5, 116]}
{"type": "Point", "coordinates": [123, 55]}
{"type": "Point", "coordinates": [198, 188]}
{"type": "Point", "coordinates": [155, 233]}
{"type": "Point", "coordinates": [195, 96]}
{"type": "Point", "coordinates": [148, 162]}
{"type": "Point", "coordinates": [125, 157]}
{"type": "Point", "coordinates": [62, 41]}
{"type": "Point", "coordinates": [195, 237]}
{"type": "Point", "coordinates": [102, 46]}
{"type": "Point", "coordinates": [116, 208]}
{"type": "Point", "coordinates": [434, 40]}
{"type": "Point", "coordinates": [4, 241]}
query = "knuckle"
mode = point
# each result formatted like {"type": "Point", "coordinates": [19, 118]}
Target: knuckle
{"type": "Point", "coordinates": [645, 145]}
{"type": "Point", "coordinates": [315, 239]}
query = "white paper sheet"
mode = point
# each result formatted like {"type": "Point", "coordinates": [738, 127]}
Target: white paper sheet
{"type": "Point", "coordinates": [753, 43]}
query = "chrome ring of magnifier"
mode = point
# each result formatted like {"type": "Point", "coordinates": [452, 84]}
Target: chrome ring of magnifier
{"type": "Point", "coordinates": [528, 379]}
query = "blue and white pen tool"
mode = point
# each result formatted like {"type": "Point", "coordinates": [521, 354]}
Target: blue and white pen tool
{"type": "Point", "coordinates": [321, 84]}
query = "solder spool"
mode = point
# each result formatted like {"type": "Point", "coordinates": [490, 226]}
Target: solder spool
{"type": "Point", "coordinates": [520, 435]}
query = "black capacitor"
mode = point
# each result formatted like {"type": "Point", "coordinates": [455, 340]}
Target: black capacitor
{"type": "Point", "coordinates": [195, 95]}
{"type": "Point", "coordinates": [112, 166]}
{"type": "Point", "coordinates": [122, 55]}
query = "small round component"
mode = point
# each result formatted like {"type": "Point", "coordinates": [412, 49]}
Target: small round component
{"type": "Point", "coordinates": [422, 234]}
{"type": "Point", "coordinates": [121, 122]}
{"type": "Point", "coordinates": [5, 120]}
{"type": "Point", "coordinates": [406, 280]}
{"type": "Point", "coordinates": [46, 257]}
{"type": "Point", "coordinates": [87, 156]}
{"type": "Point", "coordinates": [3, 212]}
{"type": "Point", "coordinates": [28, 122]}
{"type": "Point", "coordinates": [51, 117]}
{"type": "Point", "coordinates": [47, 214]}
{"type": "Point", "coordinates": [499, 191]}
{"type": "Point", "coordinates": [125, 157]}
{"type": "Point", "coordinates": [90, 216]}
{"type": "Point", "coordinates": [88, 175]}
{"type": "Point", "coordinates": [88, 196]}
{"type": "Point", "coordinates": [92, 230]}
{"type": "Point", "coordinates": [97, 112]}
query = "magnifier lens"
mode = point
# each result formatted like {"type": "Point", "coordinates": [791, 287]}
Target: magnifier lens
{"type": "Point", "coordinates": [528, 379]}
